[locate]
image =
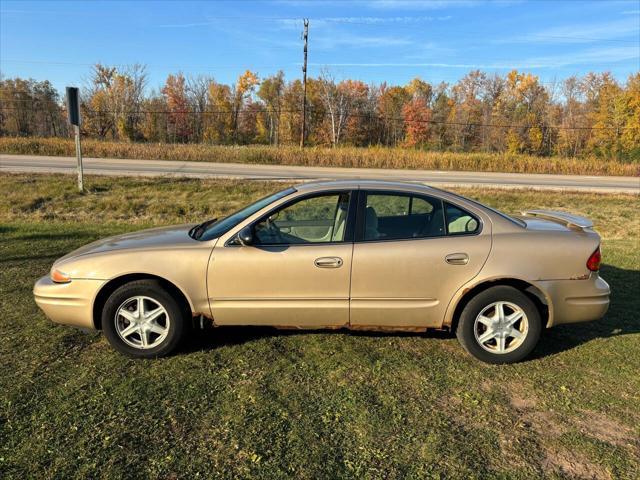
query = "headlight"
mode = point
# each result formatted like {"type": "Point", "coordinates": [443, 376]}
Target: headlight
{"type": "Point", "coordinates": [59, 277]}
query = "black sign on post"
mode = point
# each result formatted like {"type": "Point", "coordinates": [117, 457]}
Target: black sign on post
{"type": "Point", "coordinates": [73, 112]}
{"type": "Point", "coordinates": [73, 106]}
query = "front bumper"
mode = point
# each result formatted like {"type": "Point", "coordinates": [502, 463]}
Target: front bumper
{"type": "Point", "coordinates": [68, 303]}
{"type": "Point", "coordinates": [573, 301]}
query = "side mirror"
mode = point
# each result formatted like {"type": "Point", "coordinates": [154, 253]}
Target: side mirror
{"type": "Point", "coordinates": [245, 236]}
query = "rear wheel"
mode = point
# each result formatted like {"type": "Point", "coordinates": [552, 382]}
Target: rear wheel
{"type": "Point", "coordinates": [142, 320]}
{"type": "Point", "coordinates": [499, 325]}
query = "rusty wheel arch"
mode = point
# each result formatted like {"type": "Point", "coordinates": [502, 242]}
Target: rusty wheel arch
{"type": "Point", "coordinates": [113, 284]}
{"type": "Point", "coordinates": [534, 293]}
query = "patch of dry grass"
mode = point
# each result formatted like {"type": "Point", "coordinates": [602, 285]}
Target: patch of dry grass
{"type": "Point", "coordinates": [350, 157]}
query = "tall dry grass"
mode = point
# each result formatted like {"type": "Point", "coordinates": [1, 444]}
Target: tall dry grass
{"type": "Point", "coordinates": [350, 157]}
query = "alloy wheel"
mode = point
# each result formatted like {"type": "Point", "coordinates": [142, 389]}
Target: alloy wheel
{"type": "Point", "coordinates": [501, 327]}
{"type": "Point", "coordinates": [142, 322]}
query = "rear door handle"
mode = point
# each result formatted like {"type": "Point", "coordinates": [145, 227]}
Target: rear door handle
{"type": "Point", "coordinates": [457, 258]}
{"type": "Point", "coordinates": [328, 262]}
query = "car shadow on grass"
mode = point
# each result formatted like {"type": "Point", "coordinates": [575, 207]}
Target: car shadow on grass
{"type": "Point", "coordinates": [212, 338]}
{"type": "Point", "coordinates": [621, 319]}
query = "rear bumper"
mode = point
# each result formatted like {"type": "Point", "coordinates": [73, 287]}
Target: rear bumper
{"type": "Point", "coordinates": [573, 301]}
{"type": "Point", "coordinates": [67, 303]}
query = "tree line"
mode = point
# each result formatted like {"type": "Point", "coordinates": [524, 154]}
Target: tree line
{"type": "Point", "coordinates": [590, 115]}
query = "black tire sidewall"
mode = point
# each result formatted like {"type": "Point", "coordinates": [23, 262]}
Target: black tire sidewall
{"type": "Point", "coordinates": [152, 290]}
{"type": "Point", "coordinates": [466, 335]}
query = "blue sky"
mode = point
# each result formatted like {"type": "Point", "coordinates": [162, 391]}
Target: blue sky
{"type": "Point", "coordinates": [374, 41]}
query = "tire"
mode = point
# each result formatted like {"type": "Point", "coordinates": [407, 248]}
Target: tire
{"type": "Point", "coordinates": [487, 335]}
{"type": "Point", "coordinates": [156, 336]}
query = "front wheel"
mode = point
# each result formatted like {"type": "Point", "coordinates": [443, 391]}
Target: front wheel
{"type": "Point", "coordinates": [142, 320]}
{"type": "Point", "coordinates": [499, 325]}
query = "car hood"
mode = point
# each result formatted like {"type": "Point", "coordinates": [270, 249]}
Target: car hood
{"type": "Point", "coordinates": [153, 238]}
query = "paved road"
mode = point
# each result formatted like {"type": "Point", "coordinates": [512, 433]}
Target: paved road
{"type": "Point", "coordinates": [105, 166]}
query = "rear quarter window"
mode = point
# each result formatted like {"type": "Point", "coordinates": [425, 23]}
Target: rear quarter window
{"type": "Point", "coordinates": [459, 221]}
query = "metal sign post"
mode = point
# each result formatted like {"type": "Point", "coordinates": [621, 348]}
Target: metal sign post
{"type": "Point", "coordinates": [79, 158]}
{"type": "Point", "coordinates": [73, 112]}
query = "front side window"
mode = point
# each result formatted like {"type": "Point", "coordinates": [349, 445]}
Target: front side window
{"type": "Point", "coordinates": [395, 216]}
{"type": "Point", "coordinates": [222, 226]}
{"type": "Point", "coordinates": [318, 219]}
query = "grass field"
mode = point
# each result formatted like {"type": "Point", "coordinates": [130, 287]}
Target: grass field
{"type": "Point", "coordinates": [259, 403]}
{"type": "Point", "coordinates": [373, 157]}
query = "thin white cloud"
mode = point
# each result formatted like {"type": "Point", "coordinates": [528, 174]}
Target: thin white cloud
{"type": "Point", "coordinates": [587, 57]}
{"type": "Point", "coordinates": [186, 25]}
{"type": "Point", "coordinates": [421, 4]}
{"type": "Point", "coordinates": [393, 4]}
{"type": "Point", "coordinates": [333, 40]}
{"type": "Point", "coordinates": [399, 64]}
{"type": "Point", "coordinates": [321, 21]}
{"type": "Point", "coordinates": [594, 56]}
{"type": "Point", "coordinates": [582, 33]}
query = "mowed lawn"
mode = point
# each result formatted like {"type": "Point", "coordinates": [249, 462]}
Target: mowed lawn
{"type": "Point", "coordinates": [262, 403]}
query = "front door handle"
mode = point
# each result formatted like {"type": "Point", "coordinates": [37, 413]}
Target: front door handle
{"type": "Point", "coordinates": [457, 258]}
{"type": "Point", "coordinates": [328, 262]}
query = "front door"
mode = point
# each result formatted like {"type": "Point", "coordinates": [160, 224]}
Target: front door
{"type": "Point", "coordinates": [296, 272]}
{"type": "Point", "coordinates": [412, 254]}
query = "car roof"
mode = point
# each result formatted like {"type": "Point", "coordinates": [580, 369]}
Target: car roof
{"type": "Point", "coordinates": [365, 184]}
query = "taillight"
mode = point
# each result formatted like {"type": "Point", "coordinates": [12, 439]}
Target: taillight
{"type": "Point", "coordinates": [593, 263]}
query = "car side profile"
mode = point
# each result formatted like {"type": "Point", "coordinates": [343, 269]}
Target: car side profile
{"type": "Point", "coordinates": [366, 255]}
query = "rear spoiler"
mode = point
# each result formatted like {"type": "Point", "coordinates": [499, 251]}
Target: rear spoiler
{"type": "Point", "coordinates": [571, 221]}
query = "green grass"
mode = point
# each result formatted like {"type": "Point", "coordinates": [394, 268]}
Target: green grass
{"type": "Point", "coordinates": [349, 157]}
{"type": "Point", "coordinates": [260, 403]}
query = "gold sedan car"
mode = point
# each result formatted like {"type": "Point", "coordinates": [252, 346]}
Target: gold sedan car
{"type": "Point", "coordinates": [346, 254]}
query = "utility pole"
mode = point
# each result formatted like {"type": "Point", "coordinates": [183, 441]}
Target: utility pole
{"type": "Point", "coordinates": [305, 37]}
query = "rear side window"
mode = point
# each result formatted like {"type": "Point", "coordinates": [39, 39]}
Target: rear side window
{"type": "Point", "coordinates": [459, 221]}
{"type": "Point", "coordinates": [396, 216]}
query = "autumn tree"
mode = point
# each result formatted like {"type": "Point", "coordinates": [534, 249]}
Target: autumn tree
{"type": "Point", "coordinates": [337, 101]}
{"type": "Point", "coordinates": [361, 111]}
{"type": "Point", "coordinates": [175, 95]}
{"type": "Point", "coordinates": [240, 92]}
{"type": "Point", "coordinates": [523, 106]}
{"type": "Point", "coordinates": [111, 101]}
{"type": "Point", "coordinates": [29, 107]}
{"type": "Point", "coordinates": [271, 93]}
{"type": "Point", "coordinates": [196, 90]}
{"type": "Point", "coordinates": [154, 125]}
{"type": "Point", "coordinates": [218, 119]}
{"type": "Point", "coordinates": [416, 116]}
{"type": "Point", "coordinates": [631, 135]}
{"type": "Point", "coordinates": [390, 104]}
{"type": "Point", "coordinates": [291, 115]}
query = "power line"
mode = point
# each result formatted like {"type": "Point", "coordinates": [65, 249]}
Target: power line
{"type": "Point", "coordinates": [370, 116]}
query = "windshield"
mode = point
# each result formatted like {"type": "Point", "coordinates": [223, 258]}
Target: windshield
{"type": "Point", "coordinates": [223, 225]}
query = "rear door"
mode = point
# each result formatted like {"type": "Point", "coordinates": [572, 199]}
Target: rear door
{"type": "Point", "coordinates": [412, 253]}
{"type": "Point", "coordinates": [295, 274]}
